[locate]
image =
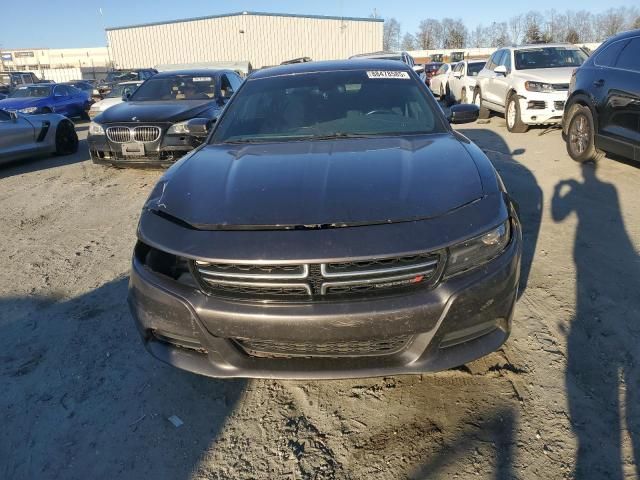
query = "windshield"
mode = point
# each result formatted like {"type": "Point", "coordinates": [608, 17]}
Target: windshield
{"type": "Point", "coordinates": [549, 57]}
{"type": "Point", "coordinates": [474, 68]}
{"type": "Point", "coordinates": [118, 90]}
{"type": "Point", "coordinates": [122, 76]}
{"type": "Point", "coordinates": [328, 105]}
{"type": "Point", "coordinates": [179, 87]}
{"type": "Point", "coordinates": [31, 91]}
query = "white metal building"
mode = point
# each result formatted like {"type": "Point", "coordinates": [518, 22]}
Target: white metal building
{"type": "Point", "coordinates": [259, 38]}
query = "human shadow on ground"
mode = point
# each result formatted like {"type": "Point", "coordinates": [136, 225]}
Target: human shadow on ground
{"type": "Point", "coordinates": [602, 376]}
{"type": "Point", "coordinates": [82, 399]}
{"type": "Point", "coordinates": [521, 185]}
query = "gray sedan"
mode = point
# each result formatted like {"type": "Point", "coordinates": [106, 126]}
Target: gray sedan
{"type": "Point", "coordinates": [24, 136]}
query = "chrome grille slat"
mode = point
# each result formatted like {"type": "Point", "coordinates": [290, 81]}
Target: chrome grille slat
{"type": "Point", "coordinates": [119, 134]}
{"type": "Point", "coordinates": [318, 281]}
{"type": "Point", "coordinates": [142, 134]}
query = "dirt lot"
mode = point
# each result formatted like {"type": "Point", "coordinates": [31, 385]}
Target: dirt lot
{"type": "Point", "coordinates": [82, 399]}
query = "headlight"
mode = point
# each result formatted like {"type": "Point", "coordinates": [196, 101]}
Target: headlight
{"type": "Point", "coordinates": [95, 91]}
{"type": "Point", "coordinates": [29, 110]}
{"type": "Point", "coordinates": [95, 129]}
{"type": "Point", "coordinates": [539, 87]}
{"type": "Point", "coordinates": [479, 250]}
{"type": "Point", "coordinates": [197, 127]}
{"type": "Point", "coordinates": [181, 128]}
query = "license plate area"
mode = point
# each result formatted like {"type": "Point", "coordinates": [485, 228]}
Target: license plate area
{"type": "Point", "coordinates": [133, 149]}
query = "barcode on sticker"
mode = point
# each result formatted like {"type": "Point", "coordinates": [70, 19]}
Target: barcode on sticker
{"type": "Point", "coordinates": [388, 74]}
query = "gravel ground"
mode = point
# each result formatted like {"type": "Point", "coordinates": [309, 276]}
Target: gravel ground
{"type": "Point", "coordinates": [82, 399]}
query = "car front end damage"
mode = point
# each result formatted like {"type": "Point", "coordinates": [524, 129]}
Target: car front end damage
{"type": "Point", "coordinates": [542, 104]}
{"type": "Point", "coordinates": [157, 144]}
{"type": "Point", "coordinates": [295, 308]}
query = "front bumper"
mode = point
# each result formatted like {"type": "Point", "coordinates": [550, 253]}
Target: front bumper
{"type": "Point", "coordinates": [460, 320]}
{"type": "Point", "coordinates": [164, 152]}
{"type": "Point", "coordinates": [537, 108]}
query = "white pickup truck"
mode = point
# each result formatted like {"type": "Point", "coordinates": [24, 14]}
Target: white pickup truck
{"type": "Point", "coordinates": [529, 84]}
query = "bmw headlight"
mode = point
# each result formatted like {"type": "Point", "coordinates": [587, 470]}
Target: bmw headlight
{"type": "Point", "coordinates": [539, 87]}
{"type": "Point", "coordinates": [181, 128]}
{"type": "Point", "coordinates": [479, 250]}
{"type": "Point", "coordinates": [29, 110]}
{"type": "Point", "coordinates": [95, 129]}
{"type": "Point", "coordinates": [197, 127]}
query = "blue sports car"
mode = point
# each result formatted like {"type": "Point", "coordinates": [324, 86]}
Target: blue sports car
{"type": "Point", "coordinates": [48, 98]}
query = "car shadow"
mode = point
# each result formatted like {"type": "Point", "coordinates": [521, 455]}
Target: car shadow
{"type": "Point", "coordinates": [522, 187]}
{"type": "Point", "coordinates": [82, 399]}
{"type": "Point", "coordinates": [44, 162]}
{"type": "Point", "coordinates": [602, 374]}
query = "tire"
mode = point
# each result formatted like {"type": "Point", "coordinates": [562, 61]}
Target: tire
{"type": "Point", "coordinates": [512, 116]}
{"type": "Point", "coordinates": [477, 100]}
{"type": "Point", "coordinates": [66, 139]}
{"type": "Point", "coordinates": [463, 95]}
{"type": "Point", "coordinates": [441, 95]}
{"type": "Point", "coordinates": [85, 115]}
{"type": "Point", "coordinates": [580, 138]}
{"type": "Point", "coordinates": [448, 97]}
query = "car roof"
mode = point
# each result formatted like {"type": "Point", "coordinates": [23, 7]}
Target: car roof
{"type": "Point", "coordinates": [623, 35]}
{"type": "Point", "coordinates": [209, 72]}
{"type": "Point", "coordinates": [543, 45]}
{"type": "Point", "coordinates": [360, 63]}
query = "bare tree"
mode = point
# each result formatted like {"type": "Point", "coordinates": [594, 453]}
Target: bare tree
{"type": "Point", "coordinates": [636, 24]}
{"type": "Point", "coordinates": [391, 34]}
{"type": "Point", "coordinates": [582, 21]}
{"type": "Point", "coordinates": [572, 36]}
{"type": "Point", "coordinates": [429, 34]}
{"type": "Point", "coordinates": [533, 21]}
{"type": "Point", "coordinates": [454, 33]}
{"type": "Point", "coordinates": [477, 38]}
{"type": "Point", "coordinates": [516, 28]}
{"type": "Point", "coordinates": [409, 42]}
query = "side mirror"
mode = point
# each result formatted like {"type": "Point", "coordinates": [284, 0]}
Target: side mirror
{"type": "Point", "coordinates": [126, 95]}
{"type": "Point", "coordinates": [199, 127]}
{"type": "Point", "coordinates": [501, 70]}
{"type": "Point", "coordinates": [463, 113]}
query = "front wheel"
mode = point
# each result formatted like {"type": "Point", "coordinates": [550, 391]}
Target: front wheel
{"type": "Point", "coordinates": [580, 137]}
{"type": "Point", "coordinates": [513, 117]}
{"type": "Point", "coordinates": [66, 139]}
{"type": "Point", "coordinates": [477, 100]}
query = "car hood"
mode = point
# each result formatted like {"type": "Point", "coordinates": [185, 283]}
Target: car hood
{"type": "Point", "coordinates": [330, 183]}
{"type": "Point", "coordinates": [19, 103]}
{"type": "Point", "coordinates": [156, 111]}
{"type": "Point", "coordinates": [547, 75]}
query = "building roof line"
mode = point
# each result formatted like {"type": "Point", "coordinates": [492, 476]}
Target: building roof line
{"type": "Point", "coordinates": [237, 14]}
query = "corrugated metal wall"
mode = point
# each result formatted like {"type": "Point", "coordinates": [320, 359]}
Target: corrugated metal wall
{"type": "Point", "coordinates": [267, 40]}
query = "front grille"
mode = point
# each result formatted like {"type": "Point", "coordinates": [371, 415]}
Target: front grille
{"type": "Point", "coordinates": [139, 134]}
{"type": "Point", "coordinates": [146, 134]}
{"type": "Point", "coordinates": [119, 134]}
{"type": "Point", "coordinates": [318, 282]}
{"type": "Point", "coordinates": [537, 105]}
{"type": "Point", "coordinates": [559, 105]}
{"type": "Point", "coordinates": [349, 348]}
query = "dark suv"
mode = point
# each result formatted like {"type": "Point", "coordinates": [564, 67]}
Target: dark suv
{"type": "Point", "coordinates": [603, 109]}
{"type": "Point", "coordinates": [334, 225]}
{"type": "Point", "coordinates": [11, 80]}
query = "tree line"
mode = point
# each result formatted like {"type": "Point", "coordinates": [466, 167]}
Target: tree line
{"type": "Point", "coordinates": [532, 27]}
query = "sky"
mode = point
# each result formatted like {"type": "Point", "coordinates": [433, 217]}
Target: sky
{"type": "Point", "coordinates": [73, 23]}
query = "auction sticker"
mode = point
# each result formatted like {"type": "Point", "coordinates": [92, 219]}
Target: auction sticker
{"type": "Point", "coordinates": [388, 74]}
{"type": "Point", "coordinates": [201, 79]}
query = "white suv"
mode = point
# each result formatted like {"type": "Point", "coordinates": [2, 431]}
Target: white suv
{"type": "Point", "coordinates": [529, 84]}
